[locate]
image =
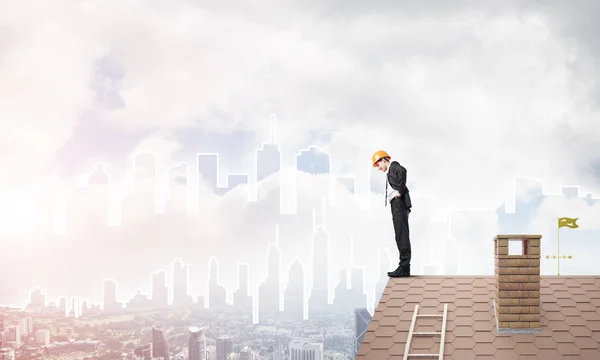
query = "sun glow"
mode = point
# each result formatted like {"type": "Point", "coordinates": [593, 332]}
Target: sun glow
{"type": "Point", "coordinates": [17, 213]}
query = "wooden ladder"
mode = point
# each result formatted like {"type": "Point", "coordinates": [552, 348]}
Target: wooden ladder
{"type": "Point", "coordinates": [412, 333]}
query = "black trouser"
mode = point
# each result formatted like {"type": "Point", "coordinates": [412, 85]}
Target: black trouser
{"type": "Point", "coordinates": [400, 220]}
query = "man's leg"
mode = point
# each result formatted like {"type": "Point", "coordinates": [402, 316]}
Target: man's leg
{"type": "Point", "coordinates": [403, 241]}
{"type": "Point", "coordinates": [400, 219]}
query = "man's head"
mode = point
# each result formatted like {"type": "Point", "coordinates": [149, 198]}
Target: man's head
{"type": "Point", "coordinates": [381, 160]}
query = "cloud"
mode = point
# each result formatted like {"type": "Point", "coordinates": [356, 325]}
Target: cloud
{"type": "Point", "coordinates": [466, 98]}
{"type": "Point", "coordinates": [457, 89]}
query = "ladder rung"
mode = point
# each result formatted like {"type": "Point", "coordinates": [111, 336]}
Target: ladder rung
{"type": "Point", "coordinates": [411, 333]}
{"type": "Point", "coordinates": [424, 355]}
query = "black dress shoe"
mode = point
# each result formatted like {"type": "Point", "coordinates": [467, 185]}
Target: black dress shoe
{"type": "Point", "coordinates": [399, 273]}
{"type": "Point", "coordinates": [395, 271]}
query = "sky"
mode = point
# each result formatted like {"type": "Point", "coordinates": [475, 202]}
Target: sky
{"type": "Point", "coordinates": [465, 95]}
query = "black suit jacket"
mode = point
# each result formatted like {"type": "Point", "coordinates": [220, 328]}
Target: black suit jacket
{"type": "Point", "coordinates": [397, 179]}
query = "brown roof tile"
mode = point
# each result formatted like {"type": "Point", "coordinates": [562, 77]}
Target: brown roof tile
{"type": "Point", "coordinates": [570, 320]}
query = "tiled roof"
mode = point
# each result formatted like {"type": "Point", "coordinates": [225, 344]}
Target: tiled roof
{"type": "Point", "coordinates": [570, 320]}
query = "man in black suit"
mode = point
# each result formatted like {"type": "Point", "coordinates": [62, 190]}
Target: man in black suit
{"type": "Point", "coordinates": [400, 204]}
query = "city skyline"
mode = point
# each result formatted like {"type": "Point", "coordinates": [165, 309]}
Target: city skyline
{"type": "Point", "coordinates": [228, 295]}
{"type": "Point", "coordinates": [568, 191]}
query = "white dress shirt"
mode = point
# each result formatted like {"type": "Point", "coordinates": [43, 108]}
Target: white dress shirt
{"type": "Point", "coordinates": [391, 193]}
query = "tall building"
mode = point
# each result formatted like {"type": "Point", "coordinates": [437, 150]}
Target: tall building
{"type": "Point", "coordinates": [37, 298]}
{"type": "Point", "coordinates": [268, 165]}
{"type": "Point", "coordinates": [342, 302]}
{"type": "Point", "coordinates": [98, 184]}
{"type": "Point", "coordinates": [217, 294]}
{"type": "Point", "coordinates": [318, 302]}
{"type": "Point", "coordinates": [177, 201]}
{"type": "Point", "coordinates": [269, 289]}
{"type": "Point", "coordinates": [160, 292]}
{"type": "Point", "coordinates": [2, 323]}
{"type": "Point", "coordinates": [160, 347]}
{"type": "Point", "coordinates": [42, 337]}
{"type": "Point", "coordinates": [362, 319]}
{"type": "Point", "coordinates": [302, 350]}
{"type": "Point", "coordinates": [7, 354]}
{"type": "Point", "coordinates": [208, 169]}
{"type": "Point", "coordinates": [235, 180]}
{"type": "Point", "coordinates": [141, 202]}
{"type": "Point", "coordinates": [109, 295]}
{"type": "Point", "coordinates": [241, 298]}
{"type": "Point", "coordinates": [357, 289]}
{"type": "Point", "coordinates": [180, 284]}
{"type": "Point", "coordinates": [268, 157]}
{"type": "Point", "coordinates": [144, 351]}
{"type": "Point", "coordinates": [13, 335]}
{"type": "Point", "coordinates": [224, 347]}
{"type": "Point", "coordinates": [246, 353]}
{"type": "Point", "coordinates": [62, 306]}
{"type": "Point", "coordinates": [294, 293]}
{"type": "Point", "coordinates": [197, 344]}
{"type": "Point", "coordinates": [314, 161]}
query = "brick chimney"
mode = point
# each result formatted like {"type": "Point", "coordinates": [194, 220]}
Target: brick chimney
{"type": "Point", "coordinates": [517, 278]}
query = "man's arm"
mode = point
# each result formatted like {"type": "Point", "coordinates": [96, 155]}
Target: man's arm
{"type": "Point", "coordinates": [398, 179]}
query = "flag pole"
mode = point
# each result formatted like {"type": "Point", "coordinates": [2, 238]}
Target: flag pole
{"type": "Point", "coordinates": [558, 243]}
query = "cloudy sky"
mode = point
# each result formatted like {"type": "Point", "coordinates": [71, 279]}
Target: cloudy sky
{"type": "Point", "coordinates": [465, 96]}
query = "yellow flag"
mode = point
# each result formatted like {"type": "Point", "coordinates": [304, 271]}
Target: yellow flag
{"type": "Point", "coordinates": [568, 222]}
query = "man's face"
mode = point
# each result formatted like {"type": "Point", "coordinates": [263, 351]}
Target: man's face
{"type": "Point", "coordinates": [382, 165]}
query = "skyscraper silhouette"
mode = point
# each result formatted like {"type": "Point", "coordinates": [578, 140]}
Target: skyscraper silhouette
{"type": "Point", "coordinates": [319, 297]}
{"type": "Point", "coordinates": [109, 295]}
{"type": "Point", "coordinates": [342, 301]}
{"type": "Point", "coordinates": [178, 181]}
{"type": "Point", "coordinates": [302, 350]}
{"type": "Point", "coordinates": [196, 344]}
{"type": "Point", "coordinates": [358, 296]}
{"type": "Point", "coordinates": [235, 180]}
{"type": "Point", "coordinates": [269, 289]}
{"type": "Point", "coordinates": [268, 157]}
{"type": "Point", "coordinates": [224, 347]}
{"type": "Point", "coordinates": [89, 205]}
{"type": "Point", "coordinates": [141, 202]}
{"type": "Point", "coordinates": [362, 320]}
{"type": "Point", "coordinates": [268, 163]}
{"type": "Point", "coordinates": [294, 293]}
{"type": "Point", "coordinates": [160, 346]}
{"type": "Point", "coordinates": [37, 298]}
{"type": "Point", "coordinates": [160, 292]}
{"type": "Point", "coordinates": [241, 299]}
{"type": "Point", "coordinates": [315, 161]}
{"type": "Point", "coordinates": [217, 295]}
{"type": "Point", "coordinates": [208, 168]}
{"type": "Point", "coordinates": [180, 284]}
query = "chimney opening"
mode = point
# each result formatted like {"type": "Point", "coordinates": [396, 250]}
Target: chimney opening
{"type": "Point", "coordinates": [517, 247]}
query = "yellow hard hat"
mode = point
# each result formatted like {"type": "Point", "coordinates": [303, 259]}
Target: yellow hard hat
{"type": "Point", "coordinates": [378, 155]}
